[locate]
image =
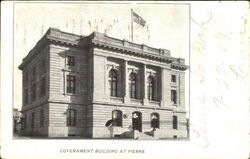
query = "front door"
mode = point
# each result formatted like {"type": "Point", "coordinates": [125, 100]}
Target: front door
{"type": "Point", "coordinates": [136, 121]}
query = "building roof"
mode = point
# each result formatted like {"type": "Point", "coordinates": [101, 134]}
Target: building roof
{"type": "Point", "coordinates": [102, 40]}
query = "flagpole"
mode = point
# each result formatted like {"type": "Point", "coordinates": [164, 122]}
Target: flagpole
{"type": "Point", "coordinates": [132, 24]}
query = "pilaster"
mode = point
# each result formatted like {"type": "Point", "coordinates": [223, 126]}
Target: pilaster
{"type": "Point", "coordinates": [125, 83]}
{"type": "Point", "coordinates": [144, 92]}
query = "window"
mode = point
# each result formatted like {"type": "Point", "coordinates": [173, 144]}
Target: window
{"type": "Point", "coordinates": [132, 85]}
{"type": "Point", "coordinates": [33, 73]}
{"type": "Point", "coordinates": [155, 120]}
{"type": "Point", "coordinates": [25, 78]}
{"type": "Point", "coordinates": [42, 86]}
{"type": "Point", "coordinates": [23, 122]}
{"type": "Point", "coordinates": [33, 90]}
{"type": "Point", "coordinates": [174, 96]}
{"type": "Point", "coordinates": [32, 120]}
{"type": "Point", "coordinates": [41, 118]}
{"type": "Point", "coordinates": [175, 122]}
{"type": "Point", "coordinates": [26, 96]}
{"type": "Point", "coordinates": [116, 118]}
{"type": "Point", "coordinates": [113, 83]}
{"type": "Point", "coordinates": [70, 60]}
{"type": "Point", "coordinates": [71, 117]}
{"type": "Point", "coordinates": [173, 78]}
{"type": "Point", "coordinates": [150, 87]}
{"type": "Point", "coordinates": [43, 66]}
{"type": "Point", "coordinates": [71, 84]}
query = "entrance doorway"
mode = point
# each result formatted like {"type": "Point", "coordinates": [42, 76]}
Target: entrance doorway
{"type": "Point", "coordinates": [136, 121]}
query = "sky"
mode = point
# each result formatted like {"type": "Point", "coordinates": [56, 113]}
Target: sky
{"type": "Point", "coordinates": [167, 26]}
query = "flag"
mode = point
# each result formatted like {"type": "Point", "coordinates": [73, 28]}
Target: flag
{"type": "Point", "coordinates": [138, 19]}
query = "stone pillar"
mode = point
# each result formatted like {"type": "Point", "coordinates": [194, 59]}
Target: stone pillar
{"type": "Point", "coordinates": [126, 85]}
{"type": "Point", "coordinates": [162, 87]}
{"type": "Point", "coordinates": [144, 92]}
{"type": "Point", "coordinates": [165, 87]}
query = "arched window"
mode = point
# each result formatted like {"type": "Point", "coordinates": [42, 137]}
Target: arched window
{"type": "Point", "coordinates": [132, 85]}
{"type": "Point", "coordinates": [155, 120]}
{"type": "Point", "coordinates": [175, 122]}
{"type": "Point", "coordinates": [116, 118]}
{"type": "Point", "coordinates": [113, 83]}
{"type": "Point", "coordinates": [150, 87]}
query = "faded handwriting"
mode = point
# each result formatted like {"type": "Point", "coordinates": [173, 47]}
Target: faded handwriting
{"type": "Point", "coordinates": [238, 73]}
{"type": "Point", "coordinates": [220, 103]}
{"type": "Point", "coordinates": [203, 22]}
{"type": "Point", "coordinates": [222, 82]}
{"type": "Point", "coordinates": [202, 78]}
{"type": "Point", "coordinates": [223, 71]}
{"type": "Point", "coordinates": [199, 136]}
{"type": "Point", "coordinates": [202, 99]}
{"type": "Point", "coordinates": [235, 70]}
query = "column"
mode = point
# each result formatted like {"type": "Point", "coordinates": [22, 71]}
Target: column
{"type": "Point", "coordinates": [145, 97]}
{"type": "Point", "coordinates": [125, 82]}
{"type": "Point", "coordinates": [162, 88]}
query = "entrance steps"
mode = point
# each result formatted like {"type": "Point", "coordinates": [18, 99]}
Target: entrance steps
{"type": "Point", "coordinates": [144, 135]}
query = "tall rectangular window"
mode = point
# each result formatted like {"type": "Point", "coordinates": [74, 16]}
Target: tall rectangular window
{"type": "Point", "coordinates": [43, 66]}
{"type": "Point", "coordinates": [150, 87]}
{"type": "Point", "coordinates": [25, 78]}
{"type": "Point", "coordinates": [33, 73]}
{"type": "Point", "coordinates": [71, 117]}
{"type": "Point", "coordinates": [42, 86]}
{"type": "Point", "coordinates": [25, 96]}
{"type": "Point", "coordinates": [116, 118]}
{"type": "Point", "coordinates": [33, 90]}
{"type": "Point", "coordinates": [23, 122]}
{"type": "Point", "coordinates": [70, 61]}
{"type": "Point", "coordinates": [132, 85]}
{"type": "Point", "coordinates": [41, 118]}
{"type": "Point", "coordinates": [113, 83]}
{"type": "Point", "coordinates": [173, 78]}
{"type": "Point", "coordinates": [71, 84]}
{"type": "Point", "coordinates": [32, 120]}
{"type": "Point", "coordinates": [175, 122]}
{"type": "Point", "coordinates": [174, 96]}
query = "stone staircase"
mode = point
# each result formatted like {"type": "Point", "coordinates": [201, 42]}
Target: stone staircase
{"type": "Point", "coordinates": [144, 135]}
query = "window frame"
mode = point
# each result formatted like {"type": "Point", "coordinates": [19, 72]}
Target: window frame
{"type": "Point", "coordinates": [42, 86]}
{"type": "Point", "coordinates": [158, 120]}
{"type": "Point", "coordinates": [71, 119]}
{"type": "Point", "coordinates": [175, 122]}
{"type": "Point", "coordinates": [174, 96]}
{"type": "Point", "coordinates": [70, 84]}
{"type": "Point", "coordinates": [43, 66]}
{"type": "Point", "coordinates": [173, 78]}
{"type": "Point", "coordinates": [150, 88]}
{"type": "Point", "coordinates": [33, 92]}
{"type": "Point", "coordinates": [26, 96]}
{"type": "Point", "coordinates": [132, 85]}
{"type": "Point", "coordinates": [113, 83]}
{"type": "Point", "coordinates": [24, 122]}
{"type": "Point", "coordinates": [41, 118]}
{"type": "Point", "coordinates": [70, 61]}
{"type": "Point", "coordinates": [33, 73]}
{"type": "Point", "coordinates": [25, 78]}
{"type": "Point", "coordinates": [32, 120]}
{"type": "Point", "coordinates": [118, 121]}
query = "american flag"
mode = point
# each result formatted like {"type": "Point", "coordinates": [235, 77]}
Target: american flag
{"type": "Point", "coordinates": [139, 20]}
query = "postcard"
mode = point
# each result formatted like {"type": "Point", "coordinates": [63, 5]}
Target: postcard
{"type": "Point", "coordinates": [123, 79]}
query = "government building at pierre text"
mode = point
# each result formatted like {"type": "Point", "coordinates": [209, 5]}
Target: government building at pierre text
{"type": "Point", "coordinates": [97, 86]}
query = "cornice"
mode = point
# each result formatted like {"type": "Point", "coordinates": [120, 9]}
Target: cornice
{"type": "Point", "coordinates": [105, 42]}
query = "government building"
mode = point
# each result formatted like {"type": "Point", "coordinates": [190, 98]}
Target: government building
{"type": "Point", "coordinates": [97, 86]}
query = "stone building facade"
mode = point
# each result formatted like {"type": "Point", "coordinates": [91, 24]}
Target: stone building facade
{"type": "Point", "coordinates": [100, 87]}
